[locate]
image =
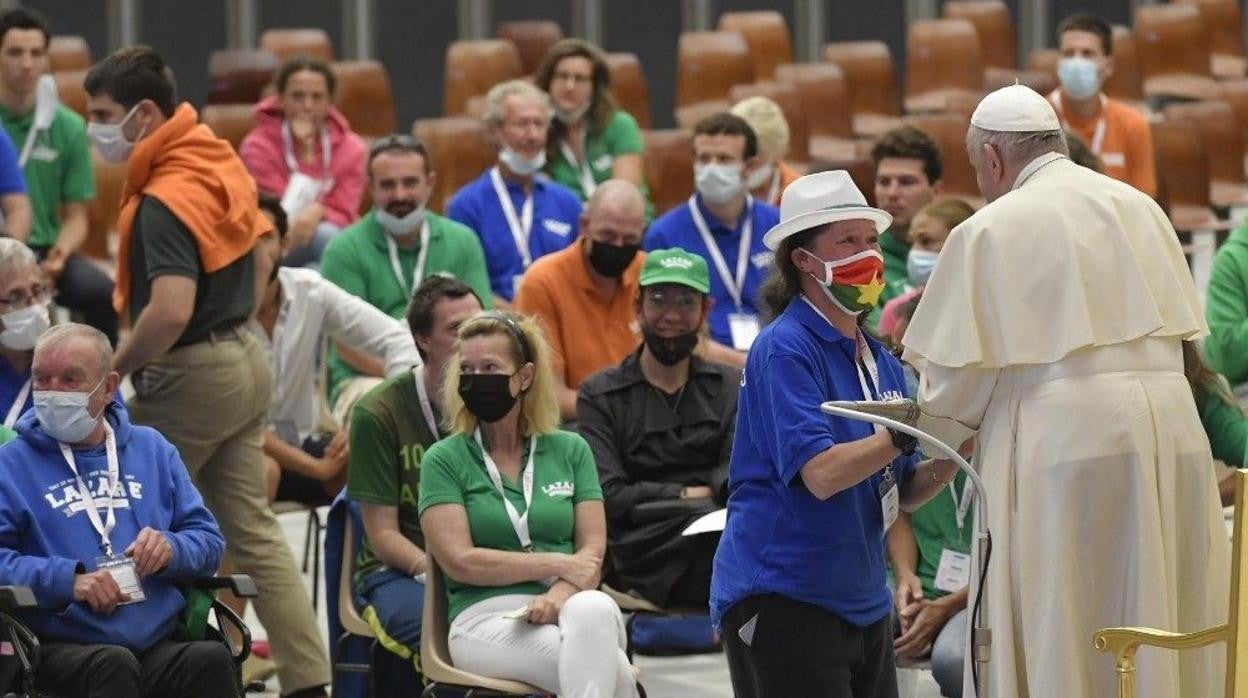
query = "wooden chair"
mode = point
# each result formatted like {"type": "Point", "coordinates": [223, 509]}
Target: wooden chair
{"type": "Point", "coordinates": [68, 52]}
{"type": "Point", "coordinates": [103, 210]}
{"type": "Point", "coordinates": [873, 95]}
{"type": "Point", "coordinates": [302, 41]}
{"type": "Point", "coordinates": [473, 67]}
{"type": "Point", "coordinates": [861, 169]}
{"type": "Point", "coordinates": [688, 116]}
{"type": "Point", "coordinates": [229, 121]}
{"type": "Point", "coordinates": [1127, 82]}
{"type": "Point", "coordinates": [1225, 21]}
{"type": "Point", "coordinates": [628, 86]}
{"type": "Point", "coordinates": [944, 68]}
{"type": "Point", "coordinates": [1223, 141]}
{"type": "Point", "coordinates": [1182, 164]}
{"type": "Point", "coordinates": [787, 97]}
{"type": "Point", "coordinates": [709, 64]}
{"type": "Point", "coordinates": [949, 132]}
{"type": "Point", "coordinates": [766, 34]}
{"type": "Point", "coordinates": [239, 76]}
{"type": "Point", "coordinates": [1235, 92]}
{"type": "Point", "coordinates": [669, 167]}
{"type": "Point", "coordinates": [70, 91]}
{"type": "Point", "coordinates": [1174, 52]}
{"type": "Point", "coordinates": [1124, 642]}
{"type": "Point", "coordinates": [995, 29]}
{"type": "Point", "coordinates": [459, 151]}
{"type": "Point", "coordinates": [532, 38]}
{"type": "Point", "coordinates": [824, 94]}
{"type": "Point", "coordinates": [364, 97]}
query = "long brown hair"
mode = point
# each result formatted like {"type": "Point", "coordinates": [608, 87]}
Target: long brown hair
{"type": "Point", "coordinates": [1202, 379]}
{"type": "Point", "coordinates": [784, 283]}
{"type": "Point", "coordinates": [601, 103]}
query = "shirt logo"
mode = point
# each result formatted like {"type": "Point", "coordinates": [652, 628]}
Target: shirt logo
{"type": "Point", "coordinates": [560, 228]}
{"type": "Point", "coordinates": [605, 162]}
{"type": "Point", "coordinates": [559, 490]}
{"type": "Point", "coordinates": [762, 259]}
{"type": "Point", "coordinates": [43, 153]}
{"type": "Point", "coordinates": [677, 263]}
{"type": "Point", "coordinates": [64, 496]}
{"type": "Point", "coordinates": [892, 395]}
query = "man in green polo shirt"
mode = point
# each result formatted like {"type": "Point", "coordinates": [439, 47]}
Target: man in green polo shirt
{"type": "Point", "coordinates": [386, 254]}
{"type": "Point", "coordinates": [56, 164]}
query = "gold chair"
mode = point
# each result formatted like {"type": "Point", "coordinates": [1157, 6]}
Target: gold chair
{"type": "Point", "coordinates": [1123, 642]}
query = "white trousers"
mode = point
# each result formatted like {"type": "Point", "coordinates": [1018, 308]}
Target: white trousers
{"type": "Point", "coordinates": [581, 657]}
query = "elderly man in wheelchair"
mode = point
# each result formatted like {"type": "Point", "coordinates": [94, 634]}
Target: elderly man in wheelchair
{"type": "Point", "coordinates": [100, 520]}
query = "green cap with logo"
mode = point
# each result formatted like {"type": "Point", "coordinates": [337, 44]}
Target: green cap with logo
{"type": "Point", "coordinates": [676, 266]}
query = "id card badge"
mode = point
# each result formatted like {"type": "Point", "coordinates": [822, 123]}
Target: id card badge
{"type": "Point", "coordinates": [744, 329]}
{"type": "Point", "coordinates": [954, 572]}
{"type": "Point", "coordinates": [123, 572]}
{"type": "Point", "coordinates": [890, 499]}
{"type": "Point", "coordinates": [301, 191]}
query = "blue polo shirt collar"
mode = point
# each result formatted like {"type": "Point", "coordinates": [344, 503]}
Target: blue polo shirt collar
{"type": "Point", "coordinates": [717, 228]}
{"type": "Point", "coordinates": [802, 311]}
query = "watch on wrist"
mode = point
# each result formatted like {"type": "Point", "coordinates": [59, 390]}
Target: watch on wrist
{"type": "Point", "coordinates": [903, 442]}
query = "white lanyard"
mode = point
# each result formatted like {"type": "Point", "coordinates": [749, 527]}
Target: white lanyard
{"type": "Point", "coordinates": [288, 149]}
{"type": "Point", "coordinates": [426, 407]}
{"type": "Point", "coordinates": [588, 185]}
{"type": "Point", "coordinates": [15, 410]}
{"type": "Point", "coordinates": [1098, 136]}
{"type": "Point", "coordinates": [963, 504]}
{"type": "Point", "coordinates": [519, 522]}
{"type": "Point", "coordinates": [105, 527]}
{"type": "Point", "coordinates": [521, 226]}
{"type": "Point", "coordinates": [868, 358]}
{"type": "Point", "coordinates": [773, 194]}
{"type": "Point", "coordinates": [418, 272]}
{"type": "Point", "coordinates": [735, 286]}
{"type": "Point", "coordinates": [29, 145]}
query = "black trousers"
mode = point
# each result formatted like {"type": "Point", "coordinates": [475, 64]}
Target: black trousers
{"type": "Point", "coordinates": [84, 289]}
{"type": "Point", "coordinates": [166, 670]}
{"type": "Point", "coordinates": [798, 649]}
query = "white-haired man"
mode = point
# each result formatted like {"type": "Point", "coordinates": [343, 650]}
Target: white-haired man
{"type": "Point", "coordinates": [24, 296]}
{"type": "Point", "coordinates": [1053, 324]}
{"type": "Point", "coordinates": [519, 214]}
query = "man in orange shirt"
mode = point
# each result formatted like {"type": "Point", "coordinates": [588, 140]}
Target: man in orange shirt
{"type": "Point", "coordinates": [583, 295]}
{"type": "Point", "coordinates": [1116, 133]}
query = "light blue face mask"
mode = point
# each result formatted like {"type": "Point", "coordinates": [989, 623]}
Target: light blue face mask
{"type": "Point", "coordinates": [1080, 77]}
{"type": "Point", "coordinates": [919, 265]}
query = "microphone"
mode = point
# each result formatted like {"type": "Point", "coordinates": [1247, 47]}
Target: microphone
{"type": "Point", "coordinates": [948, 431]}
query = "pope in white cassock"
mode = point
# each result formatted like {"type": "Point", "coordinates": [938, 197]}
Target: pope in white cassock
{"type": "Point", "coordinates": [1053, 325]}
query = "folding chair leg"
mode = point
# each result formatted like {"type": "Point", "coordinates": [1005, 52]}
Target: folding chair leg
{"type": "Point", "coordinates": [313, 520]}
{"type": "Point", "coordinates": [316, 559]}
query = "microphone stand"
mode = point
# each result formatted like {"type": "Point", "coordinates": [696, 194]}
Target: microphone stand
{"type": "Point", "coordinates": [981, 635]}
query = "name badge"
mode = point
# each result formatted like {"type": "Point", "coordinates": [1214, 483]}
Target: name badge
{"type": "Point", "coordinates": [890, 500]}
{"type": "Point", "coordinates": [954, 572]}
{"type": "Point", "coordinates": [744, 329]}
{"type": "Point", "coordinates": [1114, 159]}
{"type": "Point", "coordinates": [122, 571]}
{"type": "Point", "coordinates": [301, 191]}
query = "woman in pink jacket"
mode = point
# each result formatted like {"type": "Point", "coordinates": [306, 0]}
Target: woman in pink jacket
{"type": "Point", "coordinates": [303, 151]}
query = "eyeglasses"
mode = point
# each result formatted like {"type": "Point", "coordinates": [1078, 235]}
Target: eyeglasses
{"type": "Point", "coordinates": [18, 299]}
{"type": "Point", "coordinates": [684, 301]}
{"type": "Point", "coordinates": [574, 78]}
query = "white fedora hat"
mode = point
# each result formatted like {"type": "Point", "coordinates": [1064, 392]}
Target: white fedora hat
{"type": "Point", "coordinates": [819, 199]}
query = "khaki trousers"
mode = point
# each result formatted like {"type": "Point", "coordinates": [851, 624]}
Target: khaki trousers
{"type": "Point", "coordinates": [211, 400]}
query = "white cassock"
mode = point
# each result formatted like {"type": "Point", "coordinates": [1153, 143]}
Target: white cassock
{"type": "Point", "coordinates": [1053, 324]}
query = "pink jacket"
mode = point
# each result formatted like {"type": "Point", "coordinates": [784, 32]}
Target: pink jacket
{"type": "Point", "coordinates": [263, 155]}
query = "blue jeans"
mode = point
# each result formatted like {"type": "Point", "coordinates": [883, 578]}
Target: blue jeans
{"type": "Point", "coordinates": [398, 601]}
{"type": "Point", "coordinates": [948, 651]}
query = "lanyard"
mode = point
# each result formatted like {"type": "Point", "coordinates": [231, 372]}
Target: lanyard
{"type": "Point", "coordinates": [521, 226]}
{"type": "Point", "coordinates": [870, 391]}
{"type": "Point", "coordinates": [29, 145]}
{"type": "Point", "coordinates": [588, 185]}
{"type": "Point", "coordinates": [418, 272]}
{"type": "Point", "coordinates": [1098, 136]}
{"type": "Point", "coordinates": [426, 407]}
{"type": "Point", "coordinates": [735, 286]}
{"type": "Point", "coordinates": [773, 194]}
{"type": "Point", "coordinates": [518, 522]}
{"type": "Point", "coordinates": [288, 149]}
{"type": "Point", "coordinates": [963, 504]}
{"type": "Point", "coordinates": [15, 410]}
{"type": "Point", "coordinates": [105, 527]}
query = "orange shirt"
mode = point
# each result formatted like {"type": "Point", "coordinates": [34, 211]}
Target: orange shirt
{"type": "Point", "coordinates": [586, 331]}
{"type": "Point", "coordinates": [1126, 146]}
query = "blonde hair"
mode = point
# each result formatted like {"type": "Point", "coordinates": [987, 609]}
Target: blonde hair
{"type": "Point", "coordinates": [766, 118]}
{"type": "Point", "coordinates": [539, 407]}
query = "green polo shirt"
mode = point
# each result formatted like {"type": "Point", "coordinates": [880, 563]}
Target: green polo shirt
{"type": "Point", "coordinates": [564, 475]}
{"type": "Point", "coordinates": [621, 136]}
{"type": "Point", "coordinates": [58, 171]}
{"type": "Point", "coordinates": [358, 261]}
{"type": "Point", "coordinates": [935, 527]}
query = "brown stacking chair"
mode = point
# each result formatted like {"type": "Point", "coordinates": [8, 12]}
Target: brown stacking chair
{"type": "Point", "coordinates": [364, 97]}
{"type": "Point", "coordinates": [688, 116]}
{"type": "Point", "coordinates": [995, 29]}
{"type": "Point", "coordinates": [825, 99]}
{"type": "Point", "coordinates": [1127, 82]}
{"type": "Point", "coordinates": [949, 132]}
{"type": "Point", "coordinates": [288, 43]}
{"type": "Point", "coordinates": [70, 91]}
{"type": "Point", "coordinates": [1225, 21]}
{"type": "Point", "coordinates": [533, 38]}
{"type": "Point", "coordinates": [861, 169]}
{"type": "Point", "coordinates": [1174, 52]}
{"type": "Point", "coordinates": [239, 76]}
{"type": "Point", "coordinates": [1235, 92]}
{"type": "Point", "coordinates": [1224, 144]}
{"type": "Point", "coordinates": [628, 86]}
{"type": "Point", "coordinates": [767, 35]}
{"type": "Point", "coordinates": [669, 167]}
{"type": "Point", "coordinates": [709, 64]}
{"type": "Point", "coordinates": [103, 210]}
{"type": "Point", "coordinates": [944, 68]}
{"type": "Point", "coordinates": [67, 52]}
{"type": "Point", "coordinates": [873, 96]}
{"type": "Point", "coordinates": [786, 96]}
{"type": "Point", "coordinates": [229, 121]}
{"type": "Point", "coordinates": [1183, 175]}
{"type": "Point", "coordinates": [459, 151]}
{"type": "Point", "coordinates": [1044, 60]}
{"type": "Point", "coordinates": [473, 67]}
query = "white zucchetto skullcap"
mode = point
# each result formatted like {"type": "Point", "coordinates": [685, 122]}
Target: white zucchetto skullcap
{"type": "Point", "coordinates": [1015, 108]}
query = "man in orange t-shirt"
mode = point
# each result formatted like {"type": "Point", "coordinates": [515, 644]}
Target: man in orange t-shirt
{"type": "Point", "coordinates": [1116, 133]}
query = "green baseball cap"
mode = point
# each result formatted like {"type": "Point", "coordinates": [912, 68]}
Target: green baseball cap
{"type": "Point", "coordinates": [676, 266]}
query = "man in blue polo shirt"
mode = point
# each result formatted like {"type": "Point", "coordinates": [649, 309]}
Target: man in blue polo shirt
{"type": "Point", "coordinates": [724, 225]}
{"type": "Point", "coordinates": [519, 215]}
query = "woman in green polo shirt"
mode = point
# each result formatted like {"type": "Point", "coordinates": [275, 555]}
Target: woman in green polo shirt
{"type": "Point", "coordinates": [590, 140]}
{"type": "Point", "coordinates": [512, 512]}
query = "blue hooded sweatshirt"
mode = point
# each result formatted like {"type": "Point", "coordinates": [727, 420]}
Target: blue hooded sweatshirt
{"type": "Point", "coordinates": [46, 536]}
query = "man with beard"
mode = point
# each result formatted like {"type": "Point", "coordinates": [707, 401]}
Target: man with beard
{"type": "Point", "coordinates": [384, 256]}
{"type": "Point", "coordinates": [660, 425]}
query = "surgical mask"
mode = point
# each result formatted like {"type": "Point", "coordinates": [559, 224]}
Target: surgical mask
{"type": "Point", "coordinates": [717, 183]}
{"type": "Point", "coordinates": [487, 395]}
{"type": "Point", "coordinates": [23, 327]}
{"type": "Point", "coordinates": [519, 164]}
{"type": "Point", "coordinates": [571, 117]}
{"type": "Point", "coordinates": [611, 260]}
{"type": "Point", "coordinates": [853, 283]}
{"type": "Point", "coordinates": [64, 414]}
{"type": "Point", "coordinates": [396, 226]}
{"type": "Point", "coordinates": [669, 351]}
{"type": "Point", "coordinates": [1079, 76]}
{"type": "Point", "coordinates": [919, 265]}
{"type": "Point", "coordinates": [110, 141]}
{"type": "Point", "coordinates": [760, 176]}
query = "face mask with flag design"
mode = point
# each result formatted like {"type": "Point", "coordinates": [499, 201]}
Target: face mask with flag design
{"type": "Point", "coordinates": [853, 283]}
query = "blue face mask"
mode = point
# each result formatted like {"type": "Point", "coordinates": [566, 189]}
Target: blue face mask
{"type": "Point", "coordinates": [1080, 77]}
{"type": "Point", "coordinates": [919, 265]}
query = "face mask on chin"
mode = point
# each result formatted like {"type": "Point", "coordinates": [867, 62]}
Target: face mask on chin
{"type": "Point", "coordinates": [571, 117]}
{"type": "Point", "coordinates": [65, 415]}
{"type": "Point", "coordinates": [520, 164]}
{"type": "Point", "coordinates": [398, 226]}
{"type": "Point", "coordinates": [760, 176]}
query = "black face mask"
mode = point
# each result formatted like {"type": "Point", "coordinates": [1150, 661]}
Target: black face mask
{"type": "Point", "coordinates": [611, 260]}
{"type": "Point", "coordinates": [487, 395]}
{"type": "Point", "coordinates": [670, 351]}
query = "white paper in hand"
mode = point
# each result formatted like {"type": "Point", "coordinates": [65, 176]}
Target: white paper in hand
{"type": "Point", "coordinates": [521, 613]}
{"type": "Point", "coordinates": [713, 522]}
{"type": "Point", "coordinates": [301, 191]}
